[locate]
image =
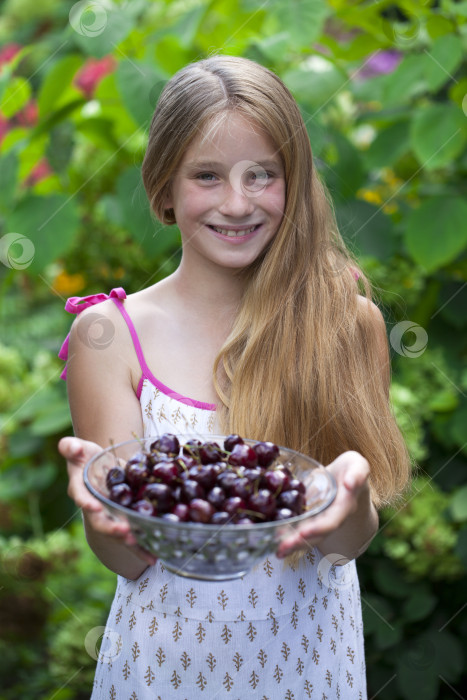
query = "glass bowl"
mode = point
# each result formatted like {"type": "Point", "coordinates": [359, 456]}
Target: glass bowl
{"type": "Point", "coordinates": [206, 551]}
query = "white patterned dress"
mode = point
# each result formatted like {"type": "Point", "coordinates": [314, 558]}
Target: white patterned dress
{"type": "Point", "coordinates": [277, 633]}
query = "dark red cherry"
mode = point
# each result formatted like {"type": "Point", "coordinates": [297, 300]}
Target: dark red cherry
{"type": "Point", "coordinates": [232, 440]}
{"type": "Point", "coordinates": [122, 494]}
{"type": "Point", "coordinates": [253, 474]}
{"type": "Point", "coordinates": [181, 511]}
{"type": "Point", "coordinates": [216, 497]}
{"type": "Point", "coordinates": [262, 502]}
{"type": "Point", "coordinates": [284, 514]}
{"type": "Point", "coordinates": [160, 496]}
{"type": "Point", "coordinates": [136, 474]}
{"type": "Point", "coordinates": [297, 485]}
{"type": "Point", "coordinates": [114, 476]}
{"type": "Point", "coordinates": [241, 487]}
{"type": "Point", "coordinates": [244, 520]}
{"type": "Point", "coordinates": [204, 474]}
{"type": "Point", "coordinates": [292, 499]}
{"type": "Point", "coordinates": [220, 518]}
{"type": "Point", "coordinates": [209, 453]}
{"type": "Point", "coordinates": [200, 510]}
{"type": "Point", "coordinates": [234, 505]}
{"type": "Point", "coordinates": [167, 443]}
{"type": "Point", "coordinates": [226, 479]}
{"type": "Point", "coordinates": [243, 455]}
{"type": "Point", "coordinates": [190, 489]}
{"type": "Point", "coordinates": [144, 507]}
{"type": "Point", "coordinates": [191, 448]}
{"type": "Point", "coordinates": [167, 472]}
{"type": "Point", "coordinates": [266, 453]}
{"type": "Point", "coordinates": [276, 480]}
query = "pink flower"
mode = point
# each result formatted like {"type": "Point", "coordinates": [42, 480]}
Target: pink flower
{"type": "Point", "coordinates": [92, 73]}
{"type": "Point", "coordinates": [28, 115]}
{"type": "Point", "coordinates": [9, 51]}
{"type": "Point", "coordinates": [4, 127]}
{"type": "Point", "coordinates": [39, 172]}
{"type": "Point", "coordinates": [380, 63]}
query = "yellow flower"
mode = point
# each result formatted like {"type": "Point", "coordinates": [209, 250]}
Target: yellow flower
{"type": "Point", "coordinates": [65, 283]}
{"type": "Point", "coordinates": [370, 196]}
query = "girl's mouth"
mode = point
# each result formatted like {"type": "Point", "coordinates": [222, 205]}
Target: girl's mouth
{"type": "Point", "coordinates": [234, 234]}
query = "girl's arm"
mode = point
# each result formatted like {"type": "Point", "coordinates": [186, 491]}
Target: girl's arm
{"type": "Point", "coordinates": [347, 527]}
{"type": "Point", "coordinates": [104, 409]}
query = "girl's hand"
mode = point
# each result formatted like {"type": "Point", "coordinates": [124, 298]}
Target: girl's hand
{"type": "Point", "coordinates": [335, 530]}
{"type": "Point", "coordinates": [78, 452]}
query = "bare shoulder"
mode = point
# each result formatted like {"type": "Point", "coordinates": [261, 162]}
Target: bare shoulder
{"type": "Point", "coordinates": [373, 322]}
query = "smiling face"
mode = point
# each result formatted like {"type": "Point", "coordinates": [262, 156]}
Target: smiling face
{"type": "Point", "coordinates": [228, 194]}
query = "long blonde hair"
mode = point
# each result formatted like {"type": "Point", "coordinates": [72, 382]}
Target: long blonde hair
{"type": "Point", "coordinates": [302, 364]}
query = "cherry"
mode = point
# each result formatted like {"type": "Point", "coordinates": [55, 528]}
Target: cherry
{"type": "Point", "coordinates": [220, 518]}
{"type": "Point", "coordinates": [209, 453]}
{"type": "Point", "coordinates": [204, 474]}
{"type": "Point", "coordinates": [243, 455]}
{"type": "Point", "coordinates": [122, 494]}
{"type": "Point", "coordinates": [284, 514]}
{"type": "Point", "coordinates": [241, 487]}
{"type": "Point", "coordinates": [191, 448]}
{"type": "Point", "coordinates": [144, 507]}
{"type": "Point", "coordinates": [232, 440]}
{"type": "Point", "coordinates": [160, 495]}
{"type": "Point", "coordinates": [168, 444]}
{"type": "Point", "coordinates": [266, 453]}
{"type": "Point", "coordinates": [190, 489]}
{"type": "Point", "coordinates": [216, 496]}
{"type": "Point", "coordinates": [114, 476]}
{"type": "Point", "coordinates": [181, 511]}
{"type": "Point", "coordinates": [262, 502]}
{"type": "Point", "coordinates": [167, 472]}
{"type": "Point", "coordinates": [234, 505]}
{"type": "Point", "coordinates": [276, 481]}
{"type": "Point", "coordinates": [136, 474]}
{"type": "Point", "coordinates": [292, 499]}
{"type": "Point", "coordinates": [297, 485]}
{"type": "Point", "coordinates": [200, 510]}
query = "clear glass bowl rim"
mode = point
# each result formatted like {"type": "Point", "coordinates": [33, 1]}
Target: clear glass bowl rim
{"type": "Point", "coordinates": [210, 527]}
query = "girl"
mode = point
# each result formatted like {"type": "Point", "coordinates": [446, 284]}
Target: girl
{"type": "Point", "coordinates": [262, 326]}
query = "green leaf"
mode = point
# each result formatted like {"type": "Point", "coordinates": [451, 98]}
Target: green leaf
{"type": "Point", "coordinates": [345, 174]}
{"type": "Point", "coordinates": [368, 231]}
{"type": "Point", "coordinates": [20, 479]}
{"type": "Point", "coordinates": [316, 82]}
{"type": "Point", "coordinates": [389, 145]}
{"type": "Point", "coordinates": [15, 96]}
{"type": "Point", "coordinates": [419, 605]}
{"type": "Point", "coordinates": [436, 232]}
{"type": "Point", "coordinates": [97, 27]}
{"type": "Point", "coordinates": [303, 20]}
{"type": "Point", "coordinates": [458, 505]}
{"type": "Point", "coordinates": [438, 134]}
{"type": "Point", "coordinates": [50, 223]}
{"type": "Point", "coordinates": [443, 59]}
{"type": "Point", "coordinates": [154, 238]}
{"type": "Point", "coordinates": [140, 85]}
{"type": "Point", "coordinates": [8, 180]}
{"type": "Point", "coordinates": [51, 93]}
{"type": "Point", "coordinates": [53, 420]}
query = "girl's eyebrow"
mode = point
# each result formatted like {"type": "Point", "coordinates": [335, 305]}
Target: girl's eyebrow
{"type": "Point", "coordinates": [214, 164]}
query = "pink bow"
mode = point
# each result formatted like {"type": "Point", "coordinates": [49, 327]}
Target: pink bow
{"type": "Point", "coordinates": [74, 305]}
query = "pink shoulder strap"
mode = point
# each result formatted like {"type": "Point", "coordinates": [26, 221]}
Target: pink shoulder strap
{"type": "Point", "coordinates": [75, 305]}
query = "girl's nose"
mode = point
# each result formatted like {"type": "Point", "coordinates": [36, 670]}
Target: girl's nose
{"type": "Point", "coordinates": [236, 201]}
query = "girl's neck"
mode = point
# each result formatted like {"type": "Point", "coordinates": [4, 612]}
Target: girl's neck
{"type": "Point", "coordinates": [208, 291]}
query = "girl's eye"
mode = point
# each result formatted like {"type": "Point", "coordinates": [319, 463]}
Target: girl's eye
{"type": "Point", "coordinates": [206, 177]}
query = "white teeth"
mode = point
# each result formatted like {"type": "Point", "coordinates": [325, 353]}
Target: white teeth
{"type": "Point", "coordinates": [231, 234]}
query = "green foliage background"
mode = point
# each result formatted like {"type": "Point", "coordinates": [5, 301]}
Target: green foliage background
{"type": "Point", "coordinates": [382, 88]}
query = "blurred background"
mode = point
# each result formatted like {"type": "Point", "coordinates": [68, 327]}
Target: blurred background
{"type": "Point", "coordinates": [382, 88]}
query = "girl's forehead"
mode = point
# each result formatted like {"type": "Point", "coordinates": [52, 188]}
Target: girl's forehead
{"type": "Point", "coordinates": [229, 131]}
